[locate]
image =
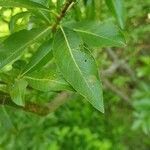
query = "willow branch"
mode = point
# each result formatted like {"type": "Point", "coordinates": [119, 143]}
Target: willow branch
{"type": "Point", "coordinates": [61, 98]}
{"type": "Point", "coordinates": [38, 109]}
{"type": "Point", "coordinates": [118, 63]}
{"type": "Point", "coordinates": [117, 91]}
{"type": "Point", "coordinates": [62, 14]}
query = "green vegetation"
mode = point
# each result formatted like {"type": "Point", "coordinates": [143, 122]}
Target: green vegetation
{"type": "Point", "coordinates": [74, 74]}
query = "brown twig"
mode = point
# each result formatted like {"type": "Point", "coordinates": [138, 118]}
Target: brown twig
{"type": "Point", "coordinates": [118, 63]}
{"type": "Point", "coordinates": [38, 109]}
{"type": "Point", "coordinates": [61, 98]}
{"type": "Point", "coordinates": [50, 107]}
{"type": "Point", "coordinates": [62, 14]}
{"type": "Point", "coordinates": [116, 90]}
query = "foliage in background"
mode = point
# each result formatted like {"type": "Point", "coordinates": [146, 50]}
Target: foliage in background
{"type": "Point", "coordinates": [126, 122]}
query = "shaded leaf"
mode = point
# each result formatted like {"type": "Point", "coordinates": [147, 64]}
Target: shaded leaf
{"type": "Point", "coordinates": [43, 2]}
{"type": "Point", "coordinates": [98, 34]}
{"type": "Point", "coordinates": [118, 10]}
{"type": "Point", "coordinates": [19, 64]}
{"type": "Point", "coordinates": [16, 43]}
{"type": "Point", "coordinates": [5, 120]}
{"type": "Point", "coordinates": [46, 80]}
{"type": "Point", "coordinates": [40, 58]}
{"type": "Point", "coordinates": [3, 88]}
{"type": "Point", "coordinates": [15, 18]}
{"type": "Point", "coordinates": [90, 9]}
{"type": "Point", "coordinates": [23, 3]}
{"type": "Point", "coordinates": [17, 91]}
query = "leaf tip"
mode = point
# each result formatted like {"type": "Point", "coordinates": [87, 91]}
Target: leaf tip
{"type": "Point", "coordinates": [99, 106]}
{"type": "Point", "coordinates": [101, 109]}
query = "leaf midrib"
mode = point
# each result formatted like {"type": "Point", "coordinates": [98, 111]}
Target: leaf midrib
{"type": "Point", "coordinates": [67, 42]}
{"type": "Point", "coordinates": [40, 34]}
{"type": "Point", "coordinates": [46, 18]}
{"type": "Point", "coordinates": [38, 79]}
{"type": "Point", "coordinates": [28, 6]}
{"type": "Point", "coordinates": [31, 67]}
{"type": "Point", "coordinates": [90, 33]}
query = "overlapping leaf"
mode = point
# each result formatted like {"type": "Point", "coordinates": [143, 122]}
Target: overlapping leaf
{"type": "Point", "coordinates": [5, 120]}
{"type": "Point", "coordinates": [16, 43]}
{"type": "Point", "coordinates": [40, 58]}
{"type": "Point", "coordinates": [98, 34]}
{"type": "Point", "coordinates": [3, 88]}
{"type": "Point", "coordinates": [43, 2]}
{"type": "Point", "coordinates": [17, 91]}
{"type": "Point", "coordinates": [78, 66]}
{"type": "Point", "coordinates": [23, 3]}
{"type": "Point", "coordinates": [118, 10]}
{"type": "Point", "coordinates": [46, 80]}
{"type": "Point", "coordinates": [15, 18]}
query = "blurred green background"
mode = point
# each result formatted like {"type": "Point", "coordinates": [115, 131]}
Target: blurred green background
{"type": "Point", "coordinates": [76, 125]}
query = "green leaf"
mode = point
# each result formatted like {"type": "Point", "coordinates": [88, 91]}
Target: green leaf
{"type": "Point", "coordinates": [23, 3]}
{"type": "Point", "coordinates": [5, 120]}
{"type": "Point", "coordinates": [43, 15]}
{"type": "Point", "coordinates": [78, 66]}
{"type": "Point", "coordinates": [19, 64]}
{"type": "Point", "coordinates": [40, 58]}
{"type": "Point", "coordinates": [118, 10]}
{"type": "Point", "coordinates": [97, 34]}
{"type": "Point", "coordinates": [16, 43]}
{"type": "Point", "coordinates": [3, 88]}
{"type": "Point", "coordinates": [4, 77]}
{"type": "Point", "coordinates": [43, 2]}
{"type": "Point", "coordinates": [46, 80]}
{"type": "Point", "coordinates": [17, 91]}
{"type": "Point", "coordinates": [15, 18]}
{"type": "Point", "coordinates": [90, 9]}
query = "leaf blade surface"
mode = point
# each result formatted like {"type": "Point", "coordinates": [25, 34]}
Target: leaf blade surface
{"type": "Point", "coordinates": [78, 66]}
{"type": "Point", "coordinates": [16, 43]}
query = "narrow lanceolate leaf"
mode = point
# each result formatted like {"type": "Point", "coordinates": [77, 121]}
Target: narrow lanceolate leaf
{"type": "Point", "coordinates": [78, 66]}
{"type": "Point", "coordinates": [23, 3]}
{"type": "Point", "coordinates": [17, 91]}
{"type": "Point", "coordinates": [40, 58]}
{"type": "Point", "coordinates": [16, 43]}
{"type": "Point", "coordinates": [97, 34]}
{"type": "Point", "coordinates": [46, 80]}
{"type": "Point", "coordinates": [118, 10]}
